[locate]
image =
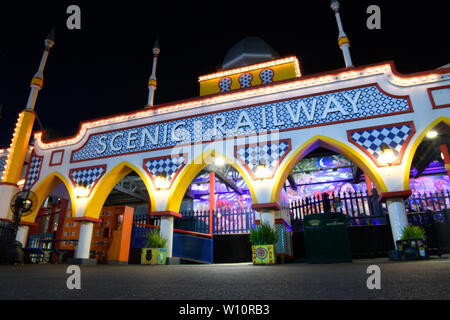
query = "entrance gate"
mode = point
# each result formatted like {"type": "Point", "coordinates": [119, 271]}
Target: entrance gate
{"type": "Point", "coordinates": [365, 110]}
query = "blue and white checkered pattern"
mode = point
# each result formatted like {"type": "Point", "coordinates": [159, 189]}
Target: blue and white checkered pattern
{"type": "Point", "coordinates": [87, 176]}
{"type": "Point", "coordinates": [266, 76]}
{"type": "Point", "coordinates": [33, 171]}
{"type": "Point", "coordinates": [245, 80]}
{"type": "Point", "coordinates": [169, 165]}
{"type": "Point", "coordinates": [269, 153]}
{"type": "Point", "coordinates": [371, 140]}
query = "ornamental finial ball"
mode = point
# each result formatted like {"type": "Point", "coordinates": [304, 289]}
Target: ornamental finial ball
{"type": "Point", "coordinates": [334, 5]}
{"type": "Point", "coordinates": [50, 40]}
{"type": "Point", "coordinates": [156, 49]}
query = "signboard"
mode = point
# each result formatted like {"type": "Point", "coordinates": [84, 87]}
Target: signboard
{"type": "Point", "coordinates": [297, 113]}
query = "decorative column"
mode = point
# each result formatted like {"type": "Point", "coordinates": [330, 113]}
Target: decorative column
{"type": "Point", "coordinates": [82, 252]}
{"type": "Point", "coordinates": [21, 137]}
{"type": "Point", "coordinates": [212, 199]}
{"type": "Point", "coordinates": [166, 230]}
{"type": "Point", "coordinates": [397, 213]}
{"type": "Point", "coordinates": [267, 212]}
{"type": "Point", "coordinates": [152, 80]}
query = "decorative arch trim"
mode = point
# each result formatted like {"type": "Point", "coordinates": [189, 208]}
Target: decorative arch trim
{"type": "Point", "coordinates": [330, 143]}
{"type": "Point", "coordinates": [184, 179]}
{"type": "Point", "coordinates": [416, 144]}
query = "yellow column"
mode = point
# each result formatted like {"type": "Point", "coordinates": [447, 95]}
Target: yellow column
{"type": "Point", "coordinates": [18, 147]}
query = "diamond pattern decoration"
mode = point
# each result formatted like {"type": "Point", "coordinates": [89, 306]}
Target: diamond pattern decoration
{"type": "Point", "coordinates": [266, 76]}
{"type": "Point", "coordinates": [87, 176]}
{"type": "Point", "coordinates": [34, 170]}
{"type": "Point", "coordinates": [271, 153]}
{"type": "Point", "coordinates": [396, 136]}
{"type": "Point", "coordinates": [170, 165]}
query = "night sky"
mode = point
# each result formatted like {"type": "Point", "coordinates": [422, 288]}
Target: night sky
{"type": "Point", "coordinates": [103, 68]}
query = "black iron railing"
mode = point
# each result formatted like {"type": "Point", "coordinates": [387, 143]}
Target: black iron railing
{"type": "Point", "coordinates": [224, 221]}
{"type": "Point", "coordinates": [359, 208]}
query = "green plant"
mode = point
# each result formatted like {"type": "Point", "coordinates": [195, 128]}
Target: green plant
{"type": "Point", "coordinates": [155, 240]}
{"type": "Point", "coordinates": [413, 232]}
{"type": "Point", "coordinates": [263, 234]}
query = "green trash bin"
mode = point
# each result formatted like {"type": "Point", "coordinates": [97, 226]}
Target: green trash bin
{"type": "Point", "coordinates": [326, 238]}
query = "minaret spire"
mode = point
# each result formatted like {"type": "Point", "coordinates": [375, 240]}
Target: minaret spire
{"type": "Point", "coordinates": [152, 80]}
{"type": "Point", "coordinates": [38, 79]}
{"type": "Point", "coordinates": [344, 42]}
{"type": "Point", "coordinates": [21, 136]}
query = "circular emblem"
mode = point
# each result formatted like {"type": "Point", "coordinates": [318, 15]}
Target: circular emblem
{"type": "Point", "coordinates": [261, 253]}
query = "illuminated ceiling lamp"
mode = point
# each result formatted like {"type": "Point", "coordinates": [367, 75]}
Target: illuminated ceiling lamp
{"type": "Point", "coordinates": [82, 190]}
{"type": "Point", "coordinates": [432, 134]}
{"type": "Point", "coordinates": [262, 171]}
{"type": "Point", "coordinates": [161, 181]}
{"type": "Point", "coordinates": [387, 155]}
{"type": "Point", "coordinates": [218, 160]}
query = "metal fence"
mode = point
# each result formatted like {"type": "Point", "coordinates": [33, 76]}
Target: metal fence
{"type": "Point", "coordinates": [359, 208]}
{"type": "Point", "coordinates": [431, 202]}
{"type": "Point", "coordinates": [362, 209]}
{"type": "Point", "coordinates": [224, 221]}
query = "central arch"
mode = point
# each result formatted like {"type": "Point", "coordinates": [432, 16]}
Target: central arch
{"type": "Point", "coordinates": [108, 182]}
{"type": "Point", "coordinates": [331, 144]}
{"type": "Point", "coordinates": [191, 170]}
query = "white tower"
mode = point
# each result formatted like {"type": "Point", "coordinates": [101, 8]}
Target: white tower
{"type": "Point", "coordinates": [344, 42]}
{"type": "Point", "coordinates": [152, 80]}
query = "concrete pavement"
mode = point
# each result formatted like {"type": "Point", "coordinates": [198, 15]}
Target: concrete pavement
{"type": "Point", "coordinates": [399, 280]}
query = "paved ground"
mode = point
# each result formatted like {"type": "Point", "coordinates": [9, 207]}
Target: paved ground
{"type": "Point", "coordinates": [399, 280]}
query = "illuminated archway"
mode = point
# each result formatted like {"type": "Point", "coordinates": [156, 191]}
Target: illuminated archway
{"type": "Point", "coordinates": [331, 144]}
{"type": "Point", "coordinates": [416, 145]}
{"type": "Point", "coordinates": [191, 170]}
{"type": "Point", "coordinates": [107, 183]}
{"type": "Point", "coordinates": [43, 189]}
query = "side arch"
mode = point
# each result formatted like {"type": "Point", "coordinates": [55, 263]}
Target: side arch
{"type": "Point", "coordinates": [191, 170]}
{"type": "Point", "coordinates": [329, 143]}
{"type": "Point", "coordinates": [416, 144]}
{"type": "Point", "coordinates": [107, 183]}
{"type": "Point", "coordinates": [43, 189]}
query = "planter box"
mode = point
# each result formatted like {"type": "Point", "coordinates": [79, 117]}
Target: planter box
{"type": "Point", "coordinates": [412, 249]}
{"type": "Point", "coordinates": [153, 256]}
{"type": "Point", "coordinates": [264, 254]}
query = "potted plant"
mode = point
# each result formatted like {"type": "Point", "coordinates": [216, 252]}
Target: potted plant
{"type": "Point", "coordinates": [263, 239]}
{"type": "Point", "coordinates": [413, 245]}
{"type": "Point", "coordinates": [154, 251]}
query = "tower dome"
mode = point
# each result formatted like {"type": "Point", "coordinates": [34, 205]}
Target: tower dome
{"type": "Point", "coordinates": [249, 50]}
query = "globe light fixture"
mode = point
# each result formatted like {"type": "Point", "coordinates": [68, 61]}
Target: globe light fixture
{"type": "Point", "coordinates": [432, 134]}
{"type": "Point", "coordinates": [387, 155]}
{"type": "Point", "coordinates": [161, 181]}
{"type": "Point", "coordinates": [219, 161]}
{"type": "Point", "coordinates": [262, 171]}
{"type": "Point", "coordinates": [81, 191]}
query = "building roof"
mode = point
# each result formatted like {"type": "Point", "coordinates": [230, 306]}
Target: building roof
{"type": "Point", "coordinates": [249, 50]}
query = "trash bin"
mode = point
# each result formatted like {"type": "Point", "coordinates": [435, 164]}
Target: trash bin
{"type": "Point", "coordinates": [326, 238]}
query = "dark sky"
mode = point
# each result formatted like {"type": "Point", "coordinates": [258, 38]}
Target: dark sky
{"type": "Point", "coordinates": [103, 68]}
